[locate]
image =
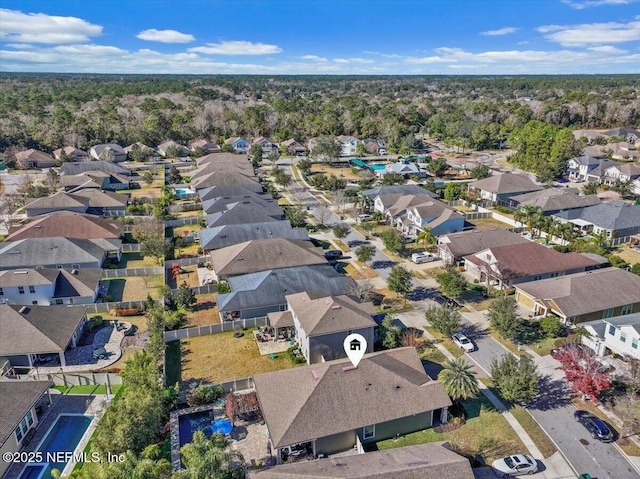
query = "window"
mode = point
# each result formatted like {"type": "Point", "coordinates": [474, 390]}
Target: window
{"type": "Point", "coordinates": [1, 292]}
{"type": "Point", "coordinates": [607, 313]}
{"type": "Point", "coordinates": [59, 266]}
{"type": "Point", "coordinates": [634, 343]}
{"type": "Point", "coordinates": [369, 431]}
{"type": "Point", "coordinates": [35, 303]}
{"type": "Point", "coordinates": [612, 330]}
{"type": "Point", "coordinates": [21, 289]}
{"type": "Point", "coordinates": [623, 337]}
{"type": "Point", "coordinates": [75, 266]}
{"type": "Point", "coordinates": [626, 309]}
{"type": "Point", "coordinates": [30, 418]}
{"type": "Point", "coordinates": [59, 301]}
{"type": "Point", "coordinates": [32, 290]}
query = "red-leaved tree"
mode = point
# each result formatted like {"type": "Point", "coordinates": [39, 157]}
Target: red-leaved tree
{"type": "Point", "coordinates": [583, 371]}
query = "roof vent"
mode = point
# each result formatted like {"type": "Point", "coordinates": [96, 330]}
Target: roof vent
{"type": "Point", "coordinates": [20, 272]}
{"type": "Point", "coordinates": [335, 306]}
{"type": "Point", "coordinates": [24, 310]}
{"type": "Point", "coordinates": [397, 387]}
{"type": "Point", "coordinates": [349, 368]}
{"type": "Point", "coordinates": [315, 374]}
{"type": "Point", "coordinates": [74, 271]}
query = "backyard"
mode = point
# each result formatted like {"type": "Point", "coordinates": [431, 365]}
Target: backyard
{"type": "Point", "coordinates": [220, 357]}
{"type": "Point", "coordinates": [136, 260]}
{"type": "Point", "coordinates": [134, 288]}
{"type": "Point", "coordinates": [204, 312]}
{"type": "Point", "coordinates": [485, 223]}
{"type": "Point", "coordinates": [344, 172]}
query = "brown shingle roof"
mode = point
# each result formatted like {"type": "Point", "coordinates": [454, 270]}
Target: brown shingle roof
{"type": "Point", "coordinates": [506, 183]}
{"type": "Point", "coordinates": [16, 399]}
{"type": "Point", "coordinates": [328, 314]}
{"type": "Point", "coordinates": [583, 293]}
{"type": "Point", "coordinates": [263, 254]}
{"type": "Point", "coordinates": [103, 199]}
{"type": "Point", "coordinates": [68, 284]}
{"type": "Point", "coordinates": [231, 158]}
{"type": "Point", "coordinates": [58, 200]}
{"type": "Point", "coordinates": [280, 319]}
{"type": "Point", "coordinates": [470, 242]}
{"type": "Point", "coordinates": [67, 224]}
{"type": "Point", "coordinates": [555, 199]}
{"type": "Point", "coordinates": [325, 399]}
{"type": "Point", "coordinates": [32, 154]}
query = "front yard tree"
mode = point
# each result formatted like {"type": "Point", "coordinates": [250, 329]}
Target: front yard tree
{"type": "Point", "coordinates": [390, 333]}
{"type": "Point", "coordinates": [451, 283]}
{"type": "Point", "coordinates": [458, 379]}
{"type": "Point", "coordinates": [362, 290]}
{"type": "Point", "coordinates": [340, 231]}
{"type": "Point", "coordinates": [392, 178]}
{"type": "Point", "coordinates": [444, 319]}
{"type": "Point", "coordinates": [393, 240]}
{"type": "Point", "coordinates": [327, 149]}
{"type": "Point", "coordinates": [452, 192]}
{"type": "Point", "coordinates": [552, 326]}
{"type": "Point", "coordinates": [147, 176]}
{"type": "Point", "coordinates": [591, 188]}
{"type": "Point", "coordinates": [323, 214]}
{"type": "Point", "coordinates": [503, 316]}
{"type": "Point", "coordinates": [304, 165]}
{"type": "Point", "coordinates": [516, 379]}
{"type": "Point", "coordinates": [297, 216]}
{"type": "Point", "coordinates": [255, 153]}
{"type": "Point", "coordinates": [185, 297]}
{"type": "Point", "coordinates": [173, 177]}
{"type": "Point", "coordinates": [437, 167]}
{"type": "Point", "coordinates": [365, 252]}
{"type": "Point", "coordinates": [400, 280]}
{"type": "Point", "coordinates": [426, 238]}
{"type": "Point", "coordinates": [584, 372]}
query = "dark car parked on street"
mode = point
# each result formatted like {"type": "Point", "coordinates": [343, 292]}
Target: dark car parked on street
{"type": "Point", "coordinates": [596, 426]}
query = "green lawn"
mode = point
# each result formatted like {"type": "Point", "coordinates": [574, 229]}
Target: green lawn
{"type": "Point", "coordinates": [136, 260]}
{"type": "Point", "coordinates": [88, 389]}
{"type": "Point", "coordinates": [172, 358]}
{"type": "Point", "coordinates": [446, 342]}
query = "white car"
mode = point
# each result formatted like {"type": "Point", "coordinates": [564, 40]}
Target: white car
{"type": "Point", "coordinates": [514, 465]}
{"type": "Point", "coordinates": [424, 257]}
{"type": "Point", "coordinates": [364, 217]}
{"type": "Point", "coordinates": [463, 342]}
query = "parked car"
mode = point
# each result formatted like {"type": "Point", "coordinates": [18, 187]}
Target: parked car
{"type": "Point", "coordinates": [364, 217]}
{"type": "Point", "coordinates": [463, 342]}
{"type": "Point", "coordinates": [515, 465]}
{"type": "Point", "coordinates": [423, 257]}
{"type": "Point", "coordinates": [333, 254]}
{"type": "Point", "coordinates": [596, 426]}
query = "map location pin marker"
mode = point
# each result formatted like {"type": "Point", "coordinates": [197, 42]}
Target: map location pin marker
{"type": "Point", "coordinates": [355, 345]}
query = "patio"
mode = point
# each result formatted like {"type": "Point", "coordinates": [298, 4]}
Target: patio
{"type": "Point", "coordinates": [269, 344]}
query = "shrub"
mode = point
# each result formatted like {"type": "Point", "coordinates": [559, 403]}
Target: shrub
{"type": "Point", "coordinates": [296, 359]}
{"type": "Point", "coordinates": [200, 395]}
{"type": "Point", "coordinates": [551, 326]}
{"type": "Point", "coordinates": [125, 312]}
{"type": "Point", "coordinates": [93, 323]}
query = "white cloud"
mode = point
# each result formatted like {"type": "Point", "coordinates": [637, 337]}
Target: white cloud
{"type": "Point", "coordinates": [580, 5]}
{"type": "Point", "coordinates": [501, 31]}
{"type": "Point", "coordinates": [385, 55]}
{"type": "Point", "coordinates": [345, 61]}
{"type": "Point", "coordinates": [18, 27]}
{"type": "Point", "coordinates": [591, 33]}
{"type": "Point", "coordinates": [237, 48]}
{"type": "Point", "coordinates": [313, 58]}
{"type": "Point", "coordinates": [165, 36]}
{"type": "Point", "coordinates": [607, 49]}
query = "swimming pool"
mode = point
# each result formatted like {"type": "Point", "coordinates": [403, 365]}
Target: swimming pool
{"type": "Point", "coordinates": [183, 192]}
{"type": "Point", "coordinates": [190, 423]}
{"type": "Point", "coordinates": [63, 436]}
{"type": "Point", "coordinates": [378, 167]}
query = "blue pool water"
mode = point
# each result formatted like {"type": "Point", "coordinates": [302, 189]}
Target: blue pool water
{"type": "Point", "coordinates": [202, 421]}
{"type": "Point", "coordinates": [64, 436]}
{"type": "Point", "coordinates": [223, 426]}
{"type": "Point", "coordinates": [182, 192]}
{"type": "Point", "coordinates": [378, 167]}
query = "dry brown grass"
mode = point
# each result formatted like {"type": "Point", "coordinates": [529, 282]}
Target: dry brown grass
{"type": "Point", "coordinates": [340, 245]}
{"type": "Point", "coordinates": [155, 192]}
{"type": "Point", "coordinates": [188, 274]}
{"type": "Point", "coordinates": [329, 170]}
{"type": "Point", "coordinates": [220, 357]}
{"type": "Point", "coordinates": [135, 288]}
{"type": "Point", "coordinates": [363, 273]}
{"type": "Point", "coordinates": [184, 229]}
{"type": "Point", "coordinates": [188, 214]}
{"type": "Point", "coordinates": [631, 256]}
{"type": "Point", "coordinates": [204, 312]}
{"type": "Point", "coordinates": [484, 223]}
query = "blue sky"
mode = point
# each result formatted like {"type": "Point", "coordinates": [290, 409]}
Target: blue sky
{"type": "Point", "coordinates": [321, 37]}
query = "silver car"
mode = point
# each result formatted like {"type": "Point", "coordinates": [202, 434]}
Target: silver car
{"type": "Point", "coordinates": [515, 465]}
{"type": "Point", "coordinates": [463, 342]}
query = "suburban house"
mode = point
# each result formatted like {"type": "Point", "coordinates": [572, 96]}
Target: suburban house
{"type": "Point", "coordinates": [407, 170]}
{"type": "Point", "coordinates": [239, 145]}
{"type": "Point", "coordinates": [220, 203]}
{"type": "Point", "coordinates": [375, 146]}
{"type": "Point", "coordinates": [171, 148]}
{"type": "Point", "coordinates": [588, 168]}
{"type": "Point", "coordinates": [589, 135]}
{"type": "Point", "coordinates": [336, 407]}
{"type": "Point", "coordinates": [263, 254]}
{"type": "Point", "coordinates": [506, 266]}
{"type": "Point", "coordinates": [553, 200]}
{"type": "Point", "coordinates": [108, 152]}
{"type": "Point", "coordinates": [139, 146]}
{"type": "Point", "coordinates": [71, 152]}
{"type": "Point", "coordinates": [75, 168]}
{"type": "Point", "coordinates": [29, 331]}
{"type": "Point", "coordinates": [60, 201]}
{"type": "Point", "coordinates": [243, 213]}
{"type": "Point", "coordinates": [204, 169]}
{"type": "Point", "coordinates": [267, 146]}
{"type": "Point", "coordinates": [498, 188]}
{"type": "Point", "coordinates": [228, 235]}
{"type": "Point", "coordinates": [217, 191]}
{"type": "Point", "coordinates": [66, 224]}
{"type": "Point", "coordinates": [631, 135]}
{"type": "Point", "coordinates": [227, 177]}
{"type": "Point", "coordinates": [452, 248]}
{"type": "Point", "coordinates": [34, 159]}
{"type": "Point", "coordinates": [223, 159]}
{"type": "Point", "coordinates": [615, 219]}
{"type": "Point", "coordinates": [205, 145]}
{"type": "Point", "coordinates": [104, 203]}
{"type": "Point", "coordinates": [256, 294]}
{"type": "Point", "coordinates": [399, 463]}
{"type": "Point", "coordinates": [18, 401]}
{"type": "Point", "coordinates": [622, 151]}
{"type": "Point", "coordinates": [580, 297]}
{"type": "Point", "coordinates": [369, 196]}
{"type": "Point", "coordinates": [348, 145]}
{"type": "Point", "coordinates": [320, 324]}
{"type": "Point", "coordinates": [294, 148]}
{"type": "Point", "coordinates": [58, 252]}
{"type": "Point", "coordinates": [616, 335]}
{"type": "Point", "coordinates": [45, 287]}
{"type": "Point", "coordinates": [97, 179]}
{"type": "Point", "coordinates": [624, 173]}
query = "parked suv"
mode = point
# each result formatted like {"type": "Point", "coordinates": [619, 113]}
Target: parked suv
{"type": "Point", "coordinates": [596, 426]}
{"type": "Point", "coordinates": [364, 217]}
{"type": "Point", "coordinates": [333, 254]}
{"type": "Point", "coordinates": [424, 257]}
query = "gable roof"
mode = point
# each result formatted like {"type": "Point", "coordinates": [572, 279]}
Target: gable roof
{"type": "Point", "coordinates": [403, 168]}
{"type": "Point", "coordinates": [397, 189]}
{"type": "Point", "coordinates": [95, 179]}
{"type": "Point", "coordinates": [16, 399]}
{"type": "Point", "coordinates": [67, 224]}
{"type": "Point", "coordinates": [228, 235]}
{"type": "Point", "coordinates": [59, 200]}
{"type": "Point", "coordinates": [223, 158]}
{"type": "Point", "coordinates": [529, 259]}
{"type": "Point", "coordinates": [621, 132]}
{"type": "Point", "coordinates": [77, 167]}
{"type": "Point", "coordinates": [402, 203]}
{"type": "Point", "coordinates": [226, 178]}
{"type": "Point", "coordinates": [627, 169]}
{"type": "Point", "coordinates": [32, 154]}
{"type": "Point", "coordinates": [241, 213]}
{"type": "Point", "coordinates": [506, 183]}
{"type": "Point", "coordinates": [137, 145]}
{"type": "Point", "coordinates": [243, 168]}
{"type": "Point", "coordinates": [583, 293]}
{"type": "Point", "coordinates": [71, 151]}
{"type": "Point", "coordinates": [269, 288]}
{"type": "Point", "coordinates": [233, 140]}
{"type": "Point", "coordinates": [470, 242]}
{"type": "Point", "coordinates": [262, 254]}
{"type": "Point", "coordinates": [217, 191]}
{"type": "Point", "coordinates": [330, 314]}
{"type": "Point", "coordinates": [555, 199]}
{"type": "Point", "coordinates": [103, 199]}
{"type": "Point", "coordinates": [615, 215]}
{"type": "Point", "coordinates": [430, 460]}
{"type": "Point", "coordinates": [67, 283]}
{"type": "Point", "coordinates": [357, 396]}
{"type": "Point", "coordinates": [117, 149]}
{"type": "Point", "coordinates": [38, 329]}
{"type": "Point", "coordinates": [220, 203]}
{"type": "Point", "coordinates": [587, 160]}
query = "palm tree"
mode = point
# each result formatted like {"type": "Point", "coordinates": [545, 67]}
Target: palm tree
{"type": "Point", "coordinates": [425, 238]}
{"type": "Point", "coordinates": [458, 379]}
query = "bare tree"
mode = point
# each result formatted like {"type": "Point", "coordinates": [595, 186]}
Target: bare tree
{"type": "Point", "coordinates": [362, 290]}
{"type": "Point", "coordinates": [340, 198]}
{"type": "Point", "coordinates": [323, 214]}
{"type": "Point", "coordinates": [298, 194]}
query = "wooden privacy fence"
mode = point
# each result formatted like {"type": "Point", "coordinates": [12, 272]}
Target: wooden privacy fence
{"type": "Point", "coordinates": [214, 328]}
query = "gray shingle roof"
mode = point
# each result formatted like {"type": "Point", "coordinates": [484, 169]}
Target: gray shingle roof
{"type": "Point", "coordinates": [67, 283]}
{"type": "Point", "coordinates": [222, 158]}
{"type": "Point", "coordinates": [327, 399]}
{"type": "Point", "coordinates": [68, 224]}
{"type": "Point", "coordinates": [103, 199]}
{"type": "Point", "coordinates": [470, 242]}
{"type": "Point", "coordinates": [240, 213]}
{"type": "Point", "coordinates": [227, 178]}
{"type": "Point", "coordinates": [75, 168]}
{"type": "Point", "coordinates": [267, 205]}
{"type": "Point", "coordinates": [506, 183]}
{"type": "Point", "coordinates": [398, 189]}
{"type": "Point", "coordinates": [38, 329]}
{"type": "Point", "coordinates": [615, 215]}
{"type": "Point", "coordinates": [269, 288]}
{"type": "Point", "coordinates": [16, 399]}
{"type": "Point", "coordinates": [554, 199]}
{"type": "Point", "coordinates": [229, 190]}
{"type": "Point", "coordinates": [58, 200]}
{"type": "Point", "coordinates": [228, 235]}
{"type": "Point", "coordinates": [431, 460]}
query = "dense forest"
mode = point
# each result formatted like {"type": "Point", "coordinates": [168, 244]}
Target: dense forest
{"type": "Point", "coordinates": [47, 111]}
